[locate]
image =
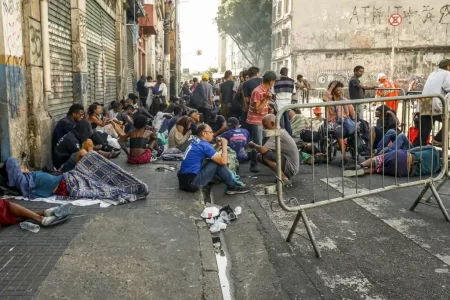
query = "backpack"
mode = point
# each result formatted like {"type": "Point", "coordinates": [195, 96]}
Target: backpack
{"type": "Point", "coordinates": [198, 99]}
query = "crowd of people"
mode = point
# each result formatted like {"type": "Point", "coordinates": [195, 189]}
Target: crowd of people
{"type": "Point", "coordinates": [216, 128]}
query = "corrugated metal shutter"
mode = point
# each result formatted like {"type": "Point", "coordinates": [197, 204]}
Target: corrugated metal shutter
{"type": "Point", "coordinates": [96, 83]}
{"type": "Point", "coordinates": [130, 59]}
{"type": "Point", "coordinates": [60, 33]}
{"type": "Point", "coordinates": [109, 47]}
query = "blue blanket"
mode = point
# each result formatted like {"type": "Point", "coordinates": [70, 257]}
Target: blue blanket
{"type": "Point", "coordinates": [95, 177]}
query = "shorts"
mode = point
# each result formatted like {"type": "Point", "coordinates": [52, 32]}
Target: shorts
{"type": "Point", "coordinates": [272, 156]}
{"type": "Point", "coordinates": [6, 216]}
{"type": "Point", "coordinates": [387, 163]}
{"type": "Point", "coordinates": [145, 158]}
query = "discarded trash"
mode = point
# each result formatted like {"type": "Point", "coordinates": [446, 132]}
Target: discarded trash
{"type": "Point", "coordinates": [210, 212]}
{"type": "Point", "coordinates": [30, 227]}
{"type": "Point", "coordinates": [238, 210]}
{"type": "Point", "coordinates": [165, 169]}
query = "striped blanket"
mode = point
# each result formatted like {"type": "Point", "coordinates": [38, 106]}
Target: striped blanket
{"type": "Point", "coordinates": [95, 177]}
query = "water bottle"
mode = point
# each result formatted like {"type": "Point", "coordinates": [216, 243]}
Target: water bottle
{"type": "Point", "coordinates": [30, 227]}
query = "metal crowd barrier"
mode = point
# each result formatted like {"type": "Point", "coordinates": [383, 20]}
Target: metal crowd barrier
{"type": "Point", "coordinates": [427, 182]}
{"type": "Point", "coordinates": [314, 95]}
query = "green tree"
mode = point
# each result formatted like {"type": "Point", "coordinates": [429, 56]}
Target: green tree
{"type": "Point", "coordinates": [248, 24]}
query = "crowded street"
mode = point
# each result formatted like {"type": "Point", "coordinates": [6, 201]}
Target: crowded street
{"type": "Point", "coordinates": [224, 149]}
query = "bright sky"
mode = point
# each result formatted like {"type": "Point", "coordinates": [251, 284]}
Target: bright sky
{"type": "Point", "coordinates": [198, 32]}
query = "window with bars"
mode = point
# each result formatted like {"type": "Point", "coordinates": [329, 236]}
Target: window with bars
{"type": "Point", "coordinates": [279, 9]}
{"type": "Point", "coordinates": [286, 6]}
{"type": "Point", "coordinates": [278, 44]}
{"type": "Point", "coordinates": [274, 13]}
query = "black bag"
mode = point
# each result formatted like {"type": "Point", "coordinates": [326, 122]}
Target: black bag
{"type": "Point", "coordinates": [308, 136]}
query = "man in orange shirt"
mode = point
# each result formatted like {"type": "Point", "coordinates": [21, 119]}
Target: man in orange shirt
{"type": "Point", "coordinates": [386, 84]}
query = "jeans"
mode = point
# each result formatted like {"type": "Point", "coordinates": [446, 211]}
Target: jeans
{"type": "Point", "coordinates": [400, 143]}
{"type": "Point", "coordinates": [256, 133]}
{"type": "Point", "coordinates": [389, 136]}
{"type": "Point", "coordinates": [209, 171]}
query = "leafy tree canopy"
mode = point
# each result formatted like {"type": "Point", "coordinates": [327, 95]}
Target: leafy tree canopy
{"type": "Point", "coordinates": [248, 23]}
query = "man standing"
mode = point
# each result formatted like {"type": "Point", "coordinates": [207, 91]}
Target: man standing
{"type": "Point", "coordinates": [284, 88]}
{"type": "Point", "coordinates": [247, 89]}
{"type": "Point", "coordinates": [149, 87]}
{"type": "Point", "coordinates": [302, 88]}
{"type": "Point", "coordinates": [226, 94]}
{"type": "Point", "coordinates": [431, 109]}
{"type": "Point", "coordinates": [356, 89]}
{"type": "Point", "coordinates": [143, 91]}
{"type": "Point", "coordinates": [386, 84]}
{"type": "Point", "coordinates": [257, 110]}
{"type": "Point", "coordinates": [207, 89]}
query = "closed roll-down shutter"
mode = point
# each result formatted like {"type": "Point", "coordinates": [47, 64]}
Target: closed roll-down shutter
{"type": "Point", "coordinates": [60, 34]}
{"type": "Point", "coordinates": [130, 59]}
{"type": "Point", "coordinates": [101, 54]}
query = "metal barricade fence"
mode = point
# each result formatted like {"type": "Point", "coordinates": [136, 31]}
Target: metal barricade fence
{"type": "Point", "coordinates": [314, 95]}
{"type": "Point", "coordinates": [413, 162]}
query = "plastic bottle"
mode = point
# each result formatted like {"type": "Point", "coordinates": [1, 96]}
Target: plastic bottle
{"type": "Point", "coordinates": [30, 227]}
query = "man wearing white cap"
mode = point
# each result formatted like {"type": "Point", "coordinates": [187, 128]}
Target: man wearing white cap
{"type": "Point", "coordinates": [386, 84]}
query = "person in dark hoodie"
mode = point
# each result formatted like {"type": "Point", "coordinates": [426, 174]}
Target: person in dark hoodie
{"type": "Point", "coordinates": [67, 148]}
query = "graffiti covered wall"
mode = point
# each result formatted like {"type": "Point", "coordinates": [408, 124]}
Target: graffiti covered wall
{"type": "Point", "coordinates": [329, 38]}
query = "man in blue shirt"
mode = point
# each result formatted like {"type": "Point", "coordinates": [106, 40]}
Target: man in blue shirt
{"type": "Point", "coordinates": [192, 176]}
{"type": "Point", "coordinates": [238, 139]}
{"type": "Point", "coordinates": [174, 119]}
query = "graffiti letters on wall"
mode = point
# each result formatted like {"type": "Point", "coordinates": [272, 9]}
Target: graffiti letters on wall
{"type": "Point", "coordinates": [376, 15]}
{"type": "Point", "coordinates": [13, 48]}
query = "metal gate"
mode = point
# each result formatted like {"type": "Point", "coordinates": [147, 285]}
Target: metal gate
{"type": "Point", "coordinates": [130, 59]}
{"type": "Point", "coordinates": [60, 33]}
{"type": "Point", "coordinates": [101, 54]}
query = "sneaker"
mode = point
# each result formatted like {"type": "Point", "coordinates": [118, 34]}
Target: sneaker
{"type": "Point", "coordinates": [237, 189]}
{"type": "Point", "coordinates": [345, 163]}
{"type": "Point", "coordinates": [48, 220]}
{"type": "Point", "coordinates": [352, 167]}
{"type": "Point", "coordinates": [354, 172]}
{"type": "Point", "coordinates": [59, 211]}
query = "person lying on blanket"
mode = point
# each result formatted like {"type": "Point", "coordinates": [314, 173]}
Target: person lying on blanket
{"type": "Point", "coordinates": [11, 213]}
{"type": "Point", "coordinates": [94, 177]}
{"type": "Point", "coordinates": [414, 162]}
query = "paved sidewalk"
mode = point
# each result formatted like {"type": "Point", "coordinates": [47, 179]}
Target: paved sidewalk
{"type": "Point", "coordinates": [150, 249]}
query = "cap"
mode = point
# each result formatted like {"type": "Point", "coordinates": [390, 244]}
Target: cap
{"type": "Point", "coordinates": [443, 64]}
{"type": "Point", "coordinates": [381, 75]}
{"type": "Point", "coordinates": [233, 122]}
{"type": "Point", "coordinates": [317, 110]}
{"type": "Point", "coordinates": [270, 75]}
{"type": "Point", "coordinates": [205, 77]}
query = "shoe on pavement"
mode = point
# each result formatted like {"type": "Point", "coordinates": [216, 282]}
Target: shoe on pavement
{"type": "Point", "coordinates": [237, 189]}
{"type": "Point", "coordinates": [354, 173]}
{"type": "Point", "coordinates": [48, 220]}
{"type": "Point", "coordinates": [345, 163]}
{"type": "Point", "coordinates": [59, 211]}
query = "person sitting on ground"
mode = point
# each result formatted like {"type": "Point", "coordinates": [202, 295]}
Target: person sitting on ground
{"type": "Point", "coordinates": [298, 122]}
{"type": "Point", "coordinates": [217, 123]}
{"type": "Point", "coordinates": [284, 122]}
{"type": "Point", "coordinates": [419, 161]}
{"type": "Point", "coordinates": [385, 129]}
{"type": "Point", "coordinates": [237, 138]}
{"type": "Point", "coordinates": [317, 121]}
{"type": "Point", "coordinates": [195, 118]}
{"type": "Point", "coordinates": [192, 176]}
{"type": "Point", "coordinates": [66, 124]}
{"type": "Point", "coordinates": [134, 99]}
{"type": "Point", "coordinates": [142, 135]}
{"type": "Point", "coordinates": [174, 119]}
{"type": "Point", "coordinates": [127, 117]}
{"type": "Point", "coordinates": [340, 116]}
{"type": "Point", "coordinates": [180, 134]}
{"type": "Point", "coordinates": [174, 102]}
{"type": "Point", "coordinates": [11, 213]}
{"type": "Point", "coordinates": [400, 142]}
{"type": "Point", "coordinates": [160, 117]}
{"type": "Point", "coordinates": [116, 109]}
{"type": "Point", "coordinates": [105, 125]}
{"type": "Point", "coordinates": [290, 159]}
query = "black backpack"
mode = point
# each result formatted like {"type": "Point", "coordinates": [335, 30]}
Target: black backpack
{"type": "Point", "coordinates": [198, 97]}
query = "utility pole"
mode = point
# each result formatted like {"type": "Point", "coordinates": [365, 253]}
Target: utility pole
{"type": "Point", "coordinates": [167, 24]}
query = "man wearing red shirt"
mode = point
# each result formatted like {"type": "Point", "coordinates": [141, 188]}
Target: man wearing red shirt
{"type": "Point", "coordinates": [258, 109]}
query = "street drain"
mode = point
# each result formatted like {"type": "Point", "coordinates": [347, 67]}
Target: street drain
{"type": "Point", "coordinates": [223, 266]}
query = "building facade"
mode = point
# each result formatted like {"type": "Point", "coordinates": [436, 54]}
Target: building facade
{"type": "Point", "coordinates": [323, 40]}
{"type": "Point", "coordinates": [55, 53]}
